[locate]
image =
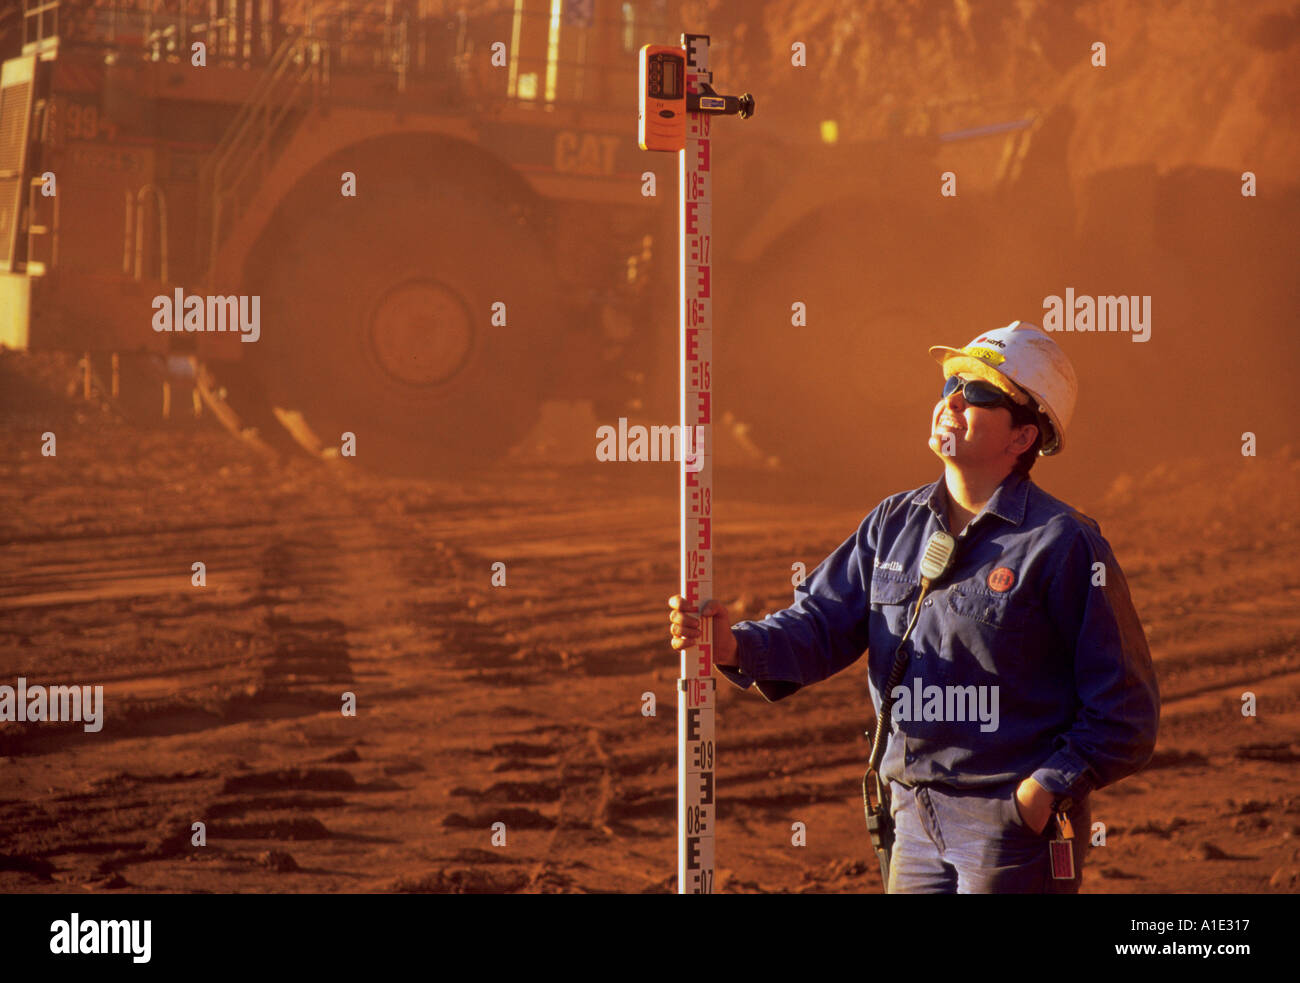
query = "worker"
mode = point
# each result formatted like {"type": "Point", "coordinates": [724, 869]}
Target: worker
{"type": "Point", "coordinates": [1025, 680]}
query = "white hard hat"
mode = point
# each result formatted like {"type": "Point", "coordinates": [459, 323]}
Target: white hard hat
{"type": "Point", "coordinates": [1021, 358]}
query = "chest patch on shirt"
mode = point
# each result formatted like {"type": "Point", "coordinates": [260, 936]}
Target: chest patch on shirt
{"type": "Point", "coordinates": [1001, 579]}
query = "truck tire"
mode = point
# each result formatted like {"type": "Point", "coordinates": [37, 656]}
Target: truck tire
{"type": "Point", "coordinates": [851, 389]}
{"type": "Point", "coordinates": [378, 319]}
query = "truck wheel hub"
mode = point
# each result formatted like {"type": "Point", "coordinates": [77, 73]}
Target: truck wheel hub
{"type": "Point", "coordinates": [420, 333]}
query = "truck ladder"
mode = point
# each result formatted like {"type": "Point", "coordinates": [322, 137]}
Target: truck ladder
{"type": "Point", "coordinates": [293, 79]}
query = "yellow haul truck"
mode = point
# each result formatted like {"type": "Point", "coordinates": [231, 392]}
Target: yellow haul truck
{"type": "Point", "coordinates": [441, 210]}
{"type": "Point", "coordinates": [436, 204]}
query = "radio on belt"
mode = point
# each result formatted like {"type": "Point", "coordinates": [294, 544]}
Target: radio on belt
{"type": "Point", "coordinates": [677, 109]}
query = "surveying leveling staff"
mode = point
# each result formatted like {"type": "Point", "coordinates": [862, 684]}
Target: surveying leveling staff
{"type": "Point", "coordinates": [1032, 601]}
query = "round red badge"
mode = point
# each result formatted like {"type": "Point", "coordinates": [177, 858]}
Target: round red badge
{"type": "Point", "coordinates": [1001, 579]}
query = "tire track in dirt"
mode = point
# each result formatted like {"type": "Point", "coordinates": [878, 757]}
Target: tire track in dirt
{"type": "Point", "coordinates": [519, 703]}
{"type": "Point", "coordinates": [281, 666]}
{"type": "Point", "coordinates": [583, 811]}
{"type": "Point", "coordinates": [294, 579]}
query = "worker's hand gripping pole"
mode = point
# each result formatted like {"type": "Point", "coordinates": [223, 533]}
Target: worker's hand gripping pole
{"type": "Point", "coordinates": [663, 101]}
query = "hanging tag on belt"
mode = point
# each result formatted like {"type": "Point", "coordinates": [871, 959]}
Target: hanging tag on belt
{"type": "Point", "coordinates": [1062, 849]}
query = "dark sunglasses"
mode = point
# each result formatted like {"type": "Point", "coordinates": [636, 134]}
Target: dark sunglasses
{"type": "Point", "coordinates": [977, 392]}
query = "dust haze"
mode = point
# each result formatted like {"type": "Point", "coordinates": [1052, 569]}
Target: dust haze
{"type": "Point", "coordinates": [521, 703]}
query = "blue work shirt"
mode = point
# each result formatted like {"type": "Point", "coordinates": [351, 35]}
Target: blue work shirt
{"type": "Point", "coordinates": [1033, 603]}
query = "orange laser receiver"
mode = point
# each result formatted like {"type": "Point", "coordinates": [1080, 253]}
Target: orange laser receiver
{"type": "Point", "coordinates": [662, 124]}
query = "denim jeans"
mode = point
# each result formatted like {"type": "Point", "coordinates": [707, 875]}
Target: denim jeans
{"type": "Point", "coordinates": [950, 841]}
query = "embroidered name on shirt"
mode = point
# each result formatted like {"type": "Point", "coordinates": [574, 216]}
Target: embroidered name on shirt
{"type": "Point", "coordinates": [893, 565]}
